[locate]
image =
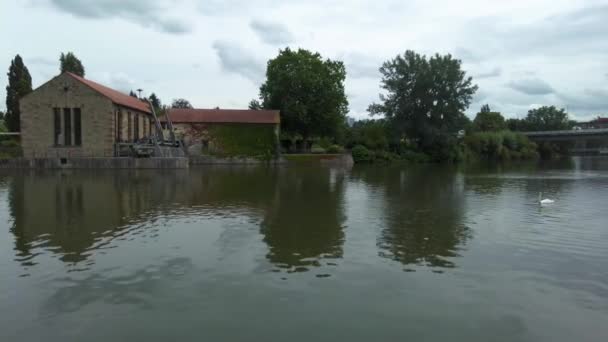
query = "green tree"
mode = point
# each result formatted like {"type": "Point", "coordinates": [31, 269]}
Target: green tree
{"type": "Point", "coordinates": [485, 109]}
{"type": "Point", "coordinates": [70, 63]}
{"type": "Point", "coordinates": [489, 121]}
{"type": "Point", "coordinates": [181, 103]}
{"type": "Point", "coordinates": [516, 125]}
{"type": "Point", "coordinates": [19, 85]}
{"type": "Point", "coordinates": [309, 92]}
{"type": "Point", "coordinates": [425, 100]}
{"type": "Point", "coordinates": [547, 119]}
{"type": "Point", "coordinates": [372, 134]}
{"type": "Point", "coordinates": [1, 115]}
{"type": "Point", "coordinates": [132, 94]}
{"type": "Point", "coordinates": [255, 105]}
{"type": "Point", "coordinates": [155, 102]}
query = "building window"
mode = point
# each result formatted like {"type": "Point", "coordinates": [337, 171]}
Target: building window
{"type": "Point", "coordinates": [67, 126]}
{"type": "Point", "coordinates": [129, 126]}
{"type": "Point", "coordinates": [136, 124]}
{"type": "Point", "coordinates": [118, 125]}
{"type": "Point", "coordinates": [77, 127]}
{"type": "Point", "coordinates": [57, 125]}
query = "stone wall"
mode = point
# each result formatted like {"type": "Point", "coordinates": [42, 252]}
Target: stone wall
{"type": "Point", "coordinates": [101, 121]}
{"type": "Point", "coordinates": [94, 163]}
{"type": "Point", "coordinates": [37, 119]}
{"type": "Point", "coordinates": [125, 121]}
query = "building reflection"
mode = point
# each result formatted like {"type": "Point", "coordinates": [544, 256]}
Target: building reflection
{"type": "Point", "coordinates": [423, 213]}
{"type": "Point", "coordinates": [69, 213]}
{"type": "Point", "coordinates": [73, 214]}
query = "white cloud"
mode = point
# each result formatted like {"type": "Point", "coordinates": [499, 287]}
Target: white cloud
{"type": "Point", "coordinates": [214, 52]}
{"type": "Point", "coordinates": [271, 32]}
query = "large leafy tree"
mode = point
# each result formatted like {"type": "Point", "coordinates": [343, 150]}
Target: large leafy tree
{"type": "Point", "coordinates": [425, 99]}
{"type": "Point", "coordinates": [487, 120]}
{"type": "Point", "coordinates": [70, 63]}
{"type": "Point", "coordinates": [309, 92]}
{"type": "Point", "coordinates": [181, 103]}
{"type": "Point", "coordinates": [19, 85]}
{"type": "Point", "coordinates": [547, 119]}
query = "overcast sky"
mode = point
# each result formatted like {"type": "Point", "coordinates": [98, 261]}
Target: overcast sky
{"type": "Point", "coordinates": [521, 53]}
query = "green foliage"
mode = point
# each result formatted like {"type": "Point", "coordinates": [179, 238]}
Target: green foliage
{"type": "Point", "coordinates": [361, 154]}
{"type": "Point", "coordinates": [485, 109]}
{"type": "Point", "coordinates": [19, 85]}
{"type": "Point", "coordinates": [516, 125]}
{"type": "Point", "coordinates": [255, 105]}
{"type": "Point", "coordinates": [414, 157]}
{"type": "Point", "coordinates": [425, 99]}
{"type": "Point", "coordinates": [309, 92]}
{"type": "Point", "coordinates": [243, 141]}
{"type": "Point", "coordinates": [70, 63]}
{"type": "Point", "coordinates": [155, 103]}
{"type": "Point", "coordinates": [335, 149]}
{"type": "Point", "coordinates": [10, 148]}
{"type": "Point", "coordinates": [489, 121]}
{"type": "Point", "coordinates": [1, 117]}
{"type": "Point", "coordinates": [9, 142]}
{"type": "Point", "coordinates": [181, 103]}
{"type": "Point", "coordinates": [503, 145]}
{"type": "Point", "coordinates": [317, 149]}
{"type": "Point", "coordinates": [372, 134]}
{"type": "Point", "coordinates": [547, 119]}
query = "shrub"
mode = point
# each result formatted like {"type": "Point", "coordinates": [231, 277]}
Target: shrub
{"type": "Point", "coordinates": [385, 156]}
{"type": "Point", "coordinates": [503, 145]}
{"type": "Point", "coordinates": [9, 143]}
{"type": "Point", "coordinates": [335, 149]}
{"type": "Point", "coordinates": [414, 157]}
{"type": "Point", "coordinates": [317, 149]}
{"type": "Point", "coordinates": [361, 154]}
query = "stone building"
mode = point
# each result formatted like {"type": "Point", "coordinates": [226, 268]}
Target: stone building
{"type": "Point", "coordinates": [227, 132]}
{"type": "Point", "coordinates": [70, 116]}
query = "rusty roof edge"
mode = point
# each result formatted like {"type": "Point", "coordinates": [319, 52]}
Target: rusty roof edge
{"type": "Point", "coordinates": [124, 104]}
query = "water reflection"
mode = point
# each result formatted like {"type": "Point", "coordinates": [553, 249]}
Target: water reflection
{"type": "Point", "coordinates": [68, 213]}
{"type": "Point", "coordinates": [74, 214]}
{"type": "Point", "coordinates": [423, 213]}
{"type": "Point", "coordinates": [305, 224]}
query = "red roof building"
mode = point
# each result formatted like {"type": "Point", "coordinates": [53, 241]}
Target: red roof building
{"type": "Point", "coordinates": [185, 115]}
{"type": "Point", "coordinates": [114, 95]}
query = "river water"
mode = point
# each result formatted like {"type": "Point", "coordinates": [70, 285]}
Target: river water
{"type": "Point", "coordinates": [378, 253]}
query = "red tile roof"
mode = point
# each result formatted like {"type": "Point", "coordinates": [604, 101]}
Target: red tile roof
{"type": "Point", "coordinates": [114, 95]}
{"type": "Point", "coordinates": [181, 115]}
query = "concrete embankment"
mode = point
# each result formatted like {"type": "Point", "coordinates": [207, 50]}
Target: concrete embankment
{"type": "Point", "coordinates": [94, 163]}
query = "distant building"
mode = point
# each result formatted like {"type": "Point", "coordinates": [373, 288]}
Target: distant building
{"type": "Point", "coordinates": [70, 116]}
{"type": "Point", "coordinates": [594, 124]}
{"type": "Point", "coordinates": [226, 131]}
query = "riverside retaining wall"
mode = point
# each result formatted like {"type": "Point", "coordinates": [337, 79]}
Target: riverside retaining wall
{"type": "Point", "coordinates": [94, 163]}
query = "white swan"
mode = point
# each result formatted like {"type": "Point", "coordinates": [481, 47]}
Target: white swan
{"type": "Point", "coordinates": [544, 201]}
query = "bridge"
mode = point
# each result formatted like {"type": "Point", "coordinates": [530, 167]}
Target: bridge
{"type": "Point", "coordinates": [582, 141]}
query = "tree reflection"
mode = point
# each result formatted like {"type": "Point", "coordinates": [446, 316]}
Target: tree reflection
{"type": "Point", "coordinates": [423, 208]}
{"type": "Point", "coordinates": [306, 222]}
